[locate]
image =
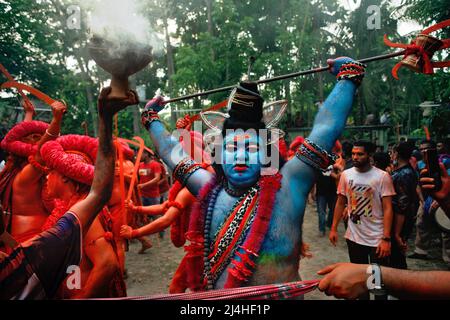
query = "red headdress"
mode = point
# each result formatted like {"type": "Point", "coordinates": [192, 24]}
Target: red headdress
{"type": "Point", "coordinates": [20, 150]}
{"type": "Point", "coordinates": [73, 156]}
{"type": "Point", "coordinates": [13, 141]}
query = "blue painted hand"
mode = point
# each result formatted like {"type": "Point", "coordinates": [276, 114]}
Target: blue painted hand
{"type": "Point", "coordinates": [335, 64]}
{"type": "Point", "coordinates": [156, 104]}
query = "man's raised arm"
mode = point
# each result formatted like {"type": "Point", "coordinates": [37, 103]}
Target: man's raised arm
{"type": "Point", "coordinates": [330, 119]}
{"type": "Point", "coordinates": [101, 188]}
{"type": "Point", "coordinates": [171, 151]}
{"type": "Point", "coordinates": [332, 115]}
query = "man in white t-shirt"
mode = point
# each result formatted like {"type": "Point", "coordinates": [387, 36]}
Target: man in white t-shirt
{"type": "Point", "coordinates": [367, 191]}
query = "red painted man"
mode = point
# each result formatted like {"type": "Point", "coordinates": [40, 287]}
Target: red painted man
{"type": "Point", "coordinates": [28, 209]}
{"type": "Point", "coordinates": [71, 160]}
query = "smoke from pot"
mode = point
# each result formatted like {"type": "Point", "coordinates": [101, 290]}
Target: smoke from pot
{"type": "Point", "coordinates": [120, 24]}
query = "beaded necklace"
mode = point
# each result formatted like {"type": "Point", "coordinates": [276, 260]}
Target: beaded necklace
{"type": "Point", "coordinates": [230, 234]}
{"type": "Point", "coordinates": [231, 192]}
{"type": "Point", "coordinates": [206, 231]}
{"type": "Point", "coordinates": [239, 271]}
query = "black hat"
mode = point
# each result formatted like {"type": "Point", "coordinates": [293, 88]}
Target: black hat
{"type": "Point", "coordinates": [245, 104]}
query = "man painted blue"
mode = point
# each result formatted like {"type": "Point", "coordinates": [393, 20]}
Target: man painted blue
{"type": "Point", "coordinates": [247, 230]}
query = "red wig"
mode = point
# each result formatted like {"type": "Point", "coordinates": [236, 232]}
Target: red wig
{"type": "Point", "coordinates": [73, 156]}
{"type": "Point", "coordinates": [13, 141]}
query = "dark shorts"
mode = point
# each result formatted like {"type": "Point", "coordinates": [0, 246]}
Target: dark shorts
{"type": "Point", "coordinates": [36, 268]}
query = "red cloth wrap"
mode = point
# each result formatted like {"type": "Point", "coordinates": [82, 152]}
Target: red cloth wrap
{"type": "Point", "coordinates": [12, 167]}
{"type": "Point", "coordinates": [179, 282]}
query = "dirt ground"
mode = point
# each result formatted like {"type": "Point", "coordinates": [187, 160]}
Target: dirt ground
{"type": "Point", "coordinates": [150, 273]}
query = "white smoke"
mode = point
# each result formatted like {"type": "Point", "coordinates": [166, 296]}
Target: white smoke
{"type": "Point", "coordinates": [121, 22]}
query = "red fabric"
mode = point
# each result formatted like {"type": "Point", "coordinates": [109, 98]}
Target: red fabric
{"type": "Point", "coordinates": [60, 209]}
{"type": "Point", "coordinates": [282, 147]}
{"type": "Point", "coordinates": [147, 172]}
{"type": "Point", "coordinates": [164, 182]}
{"type": "Point", "coordinates": [179, 282]}
{"type": "Point", "coordinates": [294, 145]}
{"type": "Point", "coordinates": [69, 156]}
{"type": "Point", "coordinates": [13, 141]}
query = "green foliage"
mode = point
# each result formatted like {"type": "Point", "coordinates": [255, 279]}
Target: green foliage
{"type": "Point", "coordinates": [210, 47]}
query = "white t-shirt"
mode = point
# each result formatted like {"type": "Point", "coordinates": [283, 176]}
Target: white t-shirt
{"type": "Point", "coordinates": [364, 192]}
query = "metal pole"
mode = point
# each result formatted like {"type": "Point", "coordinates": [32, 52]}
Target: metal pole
{"type": "Point", "coordinates": [286, 76]}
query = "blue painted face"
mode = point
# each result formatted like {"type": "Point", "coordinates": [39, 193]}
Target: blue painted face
{"type": "Point", "coordinates": [242, 159]}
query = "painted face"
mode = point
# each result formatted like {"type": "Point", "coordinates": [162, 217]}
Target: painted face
{"type": "Point", "coordinates": [55, 184]}
{"type": "Point", "coordinates": [242, 159]}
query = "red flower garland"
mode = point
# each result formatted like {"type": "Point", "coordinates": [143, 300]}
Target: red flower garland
{"type": "Point", "coordinates": [37, 165]}
{"type": "Point", "coordinates": [194, 251]}
{"type": "Point", "coordinates": [60, 209]}
{"type": "Point", "coordinates": [176, 229]}
{"type": "Point", "coordinates": [241, 271]}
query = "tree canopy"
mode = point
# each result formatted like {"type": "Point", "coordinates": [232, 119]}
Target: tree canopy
{"type": "Point", "coordinates": [208, 44]}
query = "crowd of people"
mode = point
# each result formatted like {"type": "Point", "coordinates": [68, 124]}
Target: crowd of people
{"type": "Point", "coordinates": [378, 196]}
{"type": "Point", "coordinates": [70, 203]}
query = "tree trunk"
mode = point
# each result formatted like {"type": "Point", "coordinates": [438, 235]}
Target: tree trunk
{"type": "Point", "coordinates": [210, 25]}
{"type": "Point", "coordinates": [135, 111]}
{"type": "Point", "coordinates": [170, 64]}
{"type": "Point", "coordinates": [88, 88]}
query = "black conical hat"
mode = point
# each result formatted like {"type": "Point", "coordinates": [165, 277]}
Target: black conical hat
{"type": "Point", "coordinates": [245, 103]}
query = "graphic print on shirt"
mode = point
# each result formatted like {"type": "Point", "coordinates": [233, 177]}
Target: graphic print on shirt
{"type": "Point", "coordinates": [361, 196]}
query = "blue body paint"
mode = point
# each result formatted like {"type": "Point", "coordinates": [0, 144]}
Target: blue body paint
{"type": "Point", "coordinates": [280, 252]}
